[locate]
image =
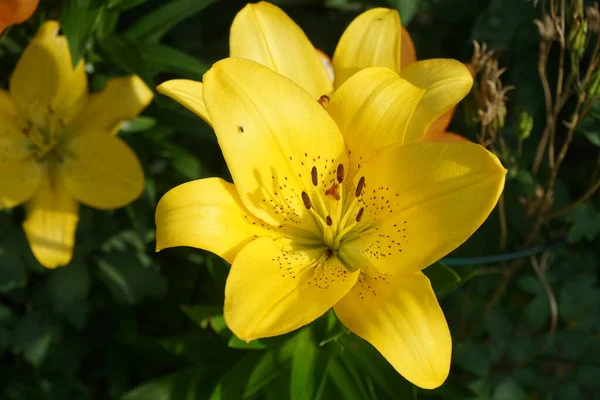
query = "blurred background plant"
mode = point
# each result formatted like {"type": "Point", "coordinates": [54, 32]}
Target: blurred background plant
{"type": "Point", "coordinates": [121, 322]}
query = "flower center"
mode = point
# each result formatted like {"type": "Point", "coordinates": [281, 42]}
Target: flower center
{"type": "Point", "coordinates": [337, 210]}
{"type": "Point", "coordinates": [47, 140]}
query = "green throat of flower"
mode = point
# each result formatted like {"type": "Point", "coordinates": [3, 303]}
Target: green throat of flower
{"type": "Point", "coordinates": [338, 220]}
{"type": "Point", "coordinates": [47, 142]}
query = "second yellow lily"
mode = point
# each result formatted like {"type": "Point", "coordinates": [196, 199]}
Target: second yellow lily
{"type": "Point", "coordinates": [262, 32]}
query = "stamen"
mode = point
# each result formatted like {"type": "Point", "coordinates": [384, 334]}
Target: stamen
{"type": "Point", "coordinates": [360, 214]}
{"type": "Point", "coordinates": [306, 200]}
{"type": "Point", "coordinates": [314, 176]}
{"type": "Point", "coordinates": [360, 186]}
{"type": "Point", "coordinates": [329, 221]}
{"type": "Point", "coordinates": [340, 173]}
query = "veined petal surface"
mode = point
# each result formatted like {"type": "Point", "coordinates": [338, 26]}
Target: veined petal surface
{"type": "Point", "coordinates": [188, 93]}
{"type": "Point", "coordinates": [373, 110]}
{"type": "Point", "coordinates": [50, 224]}
{"type": "Point", "coordinates": [101, 171]}
{"type": "Point", "coordinates": [44, 84]}
{"type": "Point", "coordinates": [207, 214]}
{"type": "Point", "coordinates": [421, 201]}
{"type": "Point", "coordinates": [272, 134]}
{"type": "Point", "coordinates": [270, 291]}
{"type": "Point", "coordinates": [401, 317]}
{"type": "Point", "coordinates": [372, 39]}
{"type": "Point", "coordinates": [262, 32]}
{"type": "Point", "coordinates": [122, 99]}
{"type": "Point", "coordinates": [446, 82]}
{"type": "Point", "coordinates": [20, 173]}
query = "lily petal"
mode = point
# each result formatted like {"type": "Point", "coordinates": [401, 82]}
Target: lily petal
{"type": "Point", "coordinates": [206, 214]}
{"type": "Point", "coordinates": [7, 108]}
{"type": "Point", "coordinates": [50, 224]}
{"type": "Point", "coordinates": [122, 99]}
{"type": "Point", "coordinates": [270, 291]}
{"type": "Point", "coordinates": [446, 82]}
{"type": "Point", "coordinates": [44, 84]}
{"type": "Point", "coordinates": [401, 317]}
{"type": "Point", "coordinates": [373, 110]}
{"type": "Point", "coordinates": [440, 124]}
{"type": "Point", "coordinates": [408, 54]}
{"type": "Point", "coordinates": [444, 136]}
{"type": "Point", "coordinates": [372, 39]}
{"type": "Point", "coordinates": [101, 171]}
{"type": "Point", "coordinates": [188, 93]}
{"type": "Point", "coordinates": [262, 32]}
{"type": "Point", "coordinates": [20, 174]}
{"type": "Point", "coordinates": [272, 133]}
{"type": "Point", "coordinates": [422, 201]}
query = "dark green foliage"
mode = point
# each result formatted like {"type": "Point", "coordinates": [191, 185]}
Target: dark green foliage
{"type": "Point", "coordinates": [124, 322]}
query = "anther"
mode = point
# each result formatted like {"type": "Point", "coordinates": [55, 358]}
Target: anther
{"type": "Point", "coordinates": [314, 176]}
{"type": "Point", "coordinates": [323, 101]}
{"type": "Point", "coordinates": [306, 200]}
{"type": "Point", "coordinates": [361, 185]}
{"type": "Point", "coordinates": [329, 221]}
{"type": "Point", "coordinates": [340, 173]}
{"type": "Point", "coordinates": [360, 214]}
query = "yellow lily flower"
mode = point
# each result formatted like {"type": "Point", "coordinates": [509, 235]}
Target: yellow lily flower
{"type": "Point", "coordinates": [15, 12]}
{"type": "Point", "coordinates": [339, 207]}
{"type": "Point", "coordinates": [58, 146]}
{"type": "Point", "coordinates": [262, 32]}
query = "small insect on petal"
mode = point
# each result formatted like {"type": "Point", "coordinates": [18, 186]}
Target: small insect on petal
{"type": "Point", "coordinates": [306, 200]}
{"type": "Point", "coordinates": [329, 220]}
{"type": "Point", "coordinates": [323, 101]}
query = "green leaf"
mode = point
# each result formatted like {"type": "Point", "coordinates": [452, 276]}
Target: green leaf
{"type": "Point", "coordinates": [509, 390]}
{"type": "Point", "coordinates": [537, 312]}
{"type": "Point", "coordinates": [153, 26]}
{"type": "Point", "coordinates": [303, 380]}
{"type": "Point", "coordinates": [586, 223]}
{"type": "Point", "coordinates": [372, 364]}
{"type": "Point", "coordinates": [122, 5]}
{"type": "Point", "coordinates": [69, 284]}
{"type": "Point", "coordinates": [78, 21]}
{"type": "Point", "coordinates": [346, 380]}
{"type": "Point", "coordinates": [250, 375]}
{"type": "Point", "coordinates": [407, 9]}
{"type": "Point", "coordinates": [32, 337]}
{"type": "Point", "coordinates": [202, 315]}
{"type": "Point", "coordinates": [140, 124]}
{"type": "Point", "coordinates": [148, 59]}
{"type": "Point", "coordinates": [443, 279]}
{"type": "Point", "coordinates": [12, 270]}
{"type": "Point", "coordinates": [472, 357]}
{"type": "Point", "coordinates": [237, 343]}
{"type": "Point", "coordinates": [128, 280]}
{"type": "Point", "coordinates": [184, 384]}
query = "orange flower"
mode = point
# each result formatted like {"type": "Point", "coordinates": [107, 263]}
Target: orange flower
{"type": "Point", "coordinates": [15, 11]}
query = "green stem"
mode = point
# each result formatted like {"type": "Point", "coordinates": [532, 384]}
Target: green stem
{"type": "Point", "coordinates": [457, 261]}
